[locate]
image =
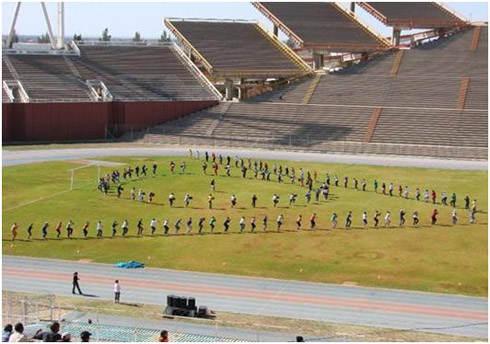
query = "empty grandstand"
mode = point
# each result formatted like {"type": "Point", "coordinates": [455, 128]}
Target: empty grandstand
{"type": "Point", "coordinates": [421, 15]}
{"type": "Point", "coordinates": [114, 84]}
{"type": "Point", "coordinates": [258, 54]}
{"type": "Point", "coordinates": [430, 100]}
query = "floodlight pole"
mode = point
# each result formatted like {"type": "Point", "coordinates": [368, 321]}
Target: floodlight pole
{"type": "Point", "coordinates": [61, 26]}
{"type": "Point", "coordinates": [12, 26]}
{"type": "Point", "coordinates": [48, 23]}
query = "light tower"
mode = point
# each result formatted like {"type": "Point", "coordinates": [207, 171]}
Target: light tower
{"type": "Point", "coordinates": [59, 44]}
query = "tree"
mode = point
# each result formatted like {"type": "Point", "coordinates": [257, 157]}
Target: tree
{"type": "Point", "coordinates": [164, 37]}
{"type": "Point", "coordinates": [15, 38]}
{"type": "Point", "coordinates": [44, 38]}
{"type": "Point", "coordinates": [137, 37]}
{"type": "Point", "coordinates": [77, 37]}
{"type": "Point", "coordinates": [105, 36]}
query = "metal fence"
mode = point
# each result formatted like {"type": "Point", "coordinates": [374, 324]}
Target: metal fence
{"type": "Point", "coordinates": [167, 134]}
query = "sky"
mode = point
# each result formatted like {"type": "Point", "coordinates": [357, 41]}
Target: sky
{"type": "Point", "coordinates": [125, 18]}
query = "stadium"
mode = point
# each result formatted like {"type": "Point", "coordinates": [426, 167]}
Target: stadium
{"type": "Point", "coordinates": [309, 178]}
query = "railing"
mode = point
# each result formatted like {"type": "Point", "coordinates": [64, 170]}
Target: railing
{"type": "Point", "coordinates": [20, 51]}
{"type": "Point", "coordinates": [196, 71]}
{"type": "Point", "coordinates": [8, 91]}
{"type": "Point", "coordinates": [188, 44]}
{"type": "Point", "coordinates": [124, 43]}
{"type": "Point", "coordinates": [171, 134]}
{"type": "Point", "coordinates": [353, 16]}
{"type": "Point", "coordinates": [10, 85]}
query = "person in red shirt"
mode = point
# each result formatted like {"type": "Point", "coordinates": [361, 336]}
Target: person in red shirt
{"type": "Point", "coordinates": [433, 216]}
{"type": "Point", "coordinates": [163, 336]}
{"type": "Point", "coordinates": [433, 196]}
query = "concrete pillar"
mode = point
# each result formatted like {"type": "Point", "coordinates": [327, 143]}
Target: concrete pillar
{"type": "Point", "coordinates": [396, 36]}
{"type": "Point", "coordinates": [229, 89]}
{"type": "Point", "coordinates": [352, 7]}
{"type": "Point", "coordinates": [276, 31]}
{"type": "Point", "coordinates": [317, 61]}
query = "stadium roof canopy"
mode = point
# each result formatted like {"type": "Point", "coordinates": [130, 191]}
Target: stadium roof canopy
{"type": "Point", "coordinates": [236, 49]}
{"type": "Point", "coordinates": [419, 15]}
{"type": "Point", "coordinates": [322, 25]}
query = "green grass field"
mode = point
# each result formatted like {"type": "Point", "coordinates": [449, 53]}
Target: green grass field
{"type": "Point", "coordinates": [441, 258]}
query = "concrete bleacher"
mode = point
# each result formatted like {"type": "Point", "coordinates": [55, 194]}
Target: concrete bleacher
{"type": "Point", "coordinates": [417, 110]}
{"type": "Point", "coordinates": [322, 24]}
{"type": "Point", "coordinates": [235, 47]}
{"type": "Point", "coordinates": [140, 73]}
{"type": "Point", "coordinates": [47, 78]}
{"type": "Point", "coordinates": [412, 14]}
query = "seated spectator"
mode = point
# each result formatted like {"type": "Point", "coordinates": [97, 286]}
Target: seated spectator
{"type": "Point", "coordinates": [85, 336]}
{"type": "Point", "coordinates": [53, 335]}
{"type": "Point", "coordinates": [38, 335]}
{"type": "Point", "coordinates": [7, 332]}
{"type": "Point", "coordinates": [163, 336]}
{"type": "Point", "coordinates": [18, 335]}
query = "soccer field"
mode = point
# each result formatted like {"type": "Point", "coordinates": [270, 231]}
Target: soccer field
{"type": "Point", "coordinates": [441, 258]}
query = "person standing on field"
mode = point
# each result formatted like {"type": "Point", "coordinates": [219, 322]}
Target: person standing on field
{"type": "Point", "coordinates": [13, 230]}
{"type": "Point", "coordinates": [29, 231]}
{"type": "Point", "coordinates": [415, 218]}
{"type": "Point", "coordinates": [99, 229]}
{"type": "Point", "coordinates": [377, 214]}
{"type": "Point", "coordinates": [58, 229]}
{"type": "Point", "coordinates": [387, 219]}
{"type": "Point", "coordinates": [264, 223]}
{"type": "Point", "coordinates": [280, 218]}
{"type": "Point", "coordinates": [153, 226]}
{"type": "Point", "coordinates": [124, 227]}
{"type": "Point", "coordinates": [454, 217]}
{"type": "Point", "coordinates": [334, 220]}
{"type": "Point", "coordinates": [114, 228]}
{"type": "Point", "coordinates": [44, 230]}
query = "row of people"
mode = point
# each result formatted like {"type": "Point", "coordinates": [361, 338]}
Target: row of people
{"type": "Point", "coordinates": [241, 224]}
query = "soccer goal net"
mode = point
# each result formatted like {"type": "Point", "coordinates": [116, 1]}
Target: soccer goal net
{"type": "Point", "coordinates": [84, 175]}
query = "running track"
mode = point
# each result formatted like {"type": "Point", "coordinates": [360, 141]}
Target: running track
{"type": "Point", "coordinates": [17, 157]}
{"type": "Point", "coordinates": [441, 313]}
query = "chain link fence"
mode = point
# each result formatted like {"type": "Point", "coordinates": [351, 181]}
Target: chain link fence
{"type": "Point", "coordinates": [168, 134]}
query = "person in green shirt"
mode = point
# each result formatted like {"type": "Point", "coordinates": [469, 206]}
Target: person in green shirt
{"type": "Point", "coordinates": [453, 200]}
{"type": "Point", "coordinates": [334, 220]}
{"type": "Point", "coordinates": [212, 221]}
{"type": "Point", "coordinates": [375, 186]}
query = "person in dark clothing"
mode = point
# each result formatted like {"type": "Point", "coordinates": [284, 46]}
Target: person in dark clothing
{"type": "Point", "coordinates": [120, 189]}
{"type": "Point", "coordinates": [227, 224]}
{"type": "Point", "coordinates": [29, 231]}
{"type": "Point", "coordinates": [137, 171]}
{"type": "Point", "coordinates": [53, 335]}
{"type": "Point", "coordinates": [467, 202]}
{"type": "Point", "coordinates": [75, 284]}
{"type": "Point", "coordinates": [85, 336]}
{"type": "Point", "coordinates": [254, 200]}
{"type": "Point", "coordinates": [155, 168]}
{"type": "Point", "coordinates": [114, 230]}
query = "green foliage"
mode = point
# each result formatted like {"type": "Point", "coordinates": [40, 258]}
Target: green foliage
{"type": "Point", "coordinates": [44, 38]}
{"type": "Point", "coordinates": [164, 37]}
{"type": "Point", "coordinates": [441, 258]}
{"type": "Point", "coordinates": [137, 37]}
{"type": "Point", "coordinates": [105, 35]}
{"type": "Point", "coordinates": [77, 37]}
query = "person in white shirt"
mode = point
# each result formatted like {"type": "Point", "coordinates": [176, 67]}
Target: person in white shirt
{"type": "Point", "coordinates": [166, 226]}
{"type": "Point", "coordinates": [242, 224]}
{"type": "Point", "coordinates": [18, 335]}
{"type": "Point", "coordinates": [117, 291]}
{"type": "Point", "coordinates": [99, 229]}
{"type": "Point", "coordinates": [454, 216]}
{"type": "Point", "coordinates": [153, 226]}
{"type": "Point", "coordinates": [364, 219]}
{"type": "Point", "coordinates": [280, 218]}
{"type": "Point", "coordinates": [124, 227]}
{"type": "Point", "coordinates": [387, 219]}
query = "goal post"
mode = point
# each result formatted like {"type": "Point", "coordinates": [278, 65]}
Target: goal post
{"type": "Point", "coordinates": [84, 175]}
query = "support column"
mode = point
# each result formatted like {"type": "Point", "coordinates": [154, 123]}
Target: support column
{"type": "Point", "coordinates": [276, 31]}
{"type": "Point", "coordinates": [229, 89]}
{"type": "Point", "coordinates": [317, 61]}
{"type": "Point", "coordinates": [353, 7]}
{"type": "Point", "coordinates": [396, 36]}
{"type": "Point", "coordinates": [12, 26]}
{"type": "Point", "coordinates": [60, 43]}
